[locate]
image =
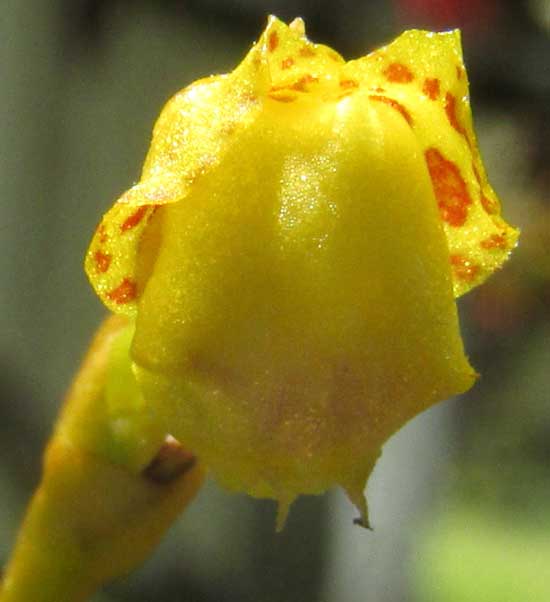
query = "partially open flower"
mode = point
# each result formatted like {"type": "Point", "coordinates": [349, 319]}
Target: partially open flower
{"type": "Point", "coordinates": [292, 252]}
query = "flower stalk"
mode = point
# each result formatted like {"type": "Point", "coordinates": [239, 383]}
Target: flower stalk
{"type": "Point", "coordinates": [103, 503]}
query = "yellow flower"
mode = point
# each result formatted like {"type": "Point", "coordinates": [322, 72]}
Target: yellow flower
{"type": "Point", "coordinates": [292, 252]}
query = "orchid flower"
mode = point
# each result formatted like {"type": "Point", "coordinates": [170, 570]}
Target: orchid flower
{"type": "Point", "coordinates": [287, 266]}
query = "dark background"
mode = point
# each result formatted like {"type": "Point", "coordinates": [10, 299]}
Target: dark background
{"type": "Point", "coordinates": [460, 501]}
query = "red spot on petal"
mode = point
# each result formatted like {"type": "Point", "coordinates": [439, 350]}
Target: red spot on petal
{"type": "Point", "coordinates": [228, 129]}
{"type": "Point", "coordinates": [306, 52]}
{"type": "Point", "coordinates": [125, 292]}
{"type": "Point", "coordinates": [102, 234]}
{"type": "Point", "coordinates": [490, 205]}
{"type": "Point", "coordinates": [463, 268]}
{"type": "Point", "coordinates": [287, 63]}
{"type": "Point", "coordinates": [102, 261]}
{"type": "Point", "coordinates": [459, 72]}
{"type": "Point", "coordinates": [303, 82]}
{"type": "Point", "coordinates": [248, 98]}
{"type": "Point", "coordinates": [398, 73]}
{"type": "Point", "coordinates": [431, 88]}
{"type": "Point", "coordinates": [348, 84]}
{"type": "Point", "coordinates": [395, 105]}
{"type": "Point", "coordinates": [272, 41]}
{"type": "Point", "coordinates": [283, 97]}
{"type": "Point", "coordinates": [450, 110]}
{"type": "Point", "coordinates": [449, 188]}
{"type": "Point", "coordinates": [133, 220]}
{"type": "Point", "coordinates": [495, 241]}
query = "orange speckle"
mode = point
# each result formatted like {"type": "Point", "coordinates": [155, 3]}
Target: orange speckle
{"type": "Point", "coordinates": [348, 84]}
{"type": "Point", "coordinates": [459, 72]}
{"type": "Point", "coordinates": [449, 188]}
{"type": "Point", "coordinates": [287, 63]}
{"type": "Point", "coordinates": [306, 52]}
{"type": "Point", "coordinates": [228, 129]}
{"type": "Point", "coordinates": [398, 73]}
{"type": "Point", "coordinates": [395, 105]}
{"type": "Point", "coordinates": [283, 97]}
{"type": "Point", "coordinates": [102, 261]}
{"type": "Point", "coordinates": [431, 88]}
{"type": "Point", "coordinates": [450, 109]}
{"type": "Point", "coordinates": [299, 85]}
{"type": "Point", "coordinates": [490, 205]}
{"type": "Point", "coordinates": [272, 41]}
{"type": "Point", "coordinates": [102, 234]}
{"type": "Point", "coordinates": [302, 83]}
{"type": "Point", "coordinates": [125, 292]}
{"type": "Point", "coordinates": [248, 98]}
{"type": "Point", "coordinates": [133, 220]}
{"type": "Point", "coordinates": [495, 241]}
{"type": "Point", "coordinates": [344, 94]}
{"type": "Point", "coordinates": [463, 268]}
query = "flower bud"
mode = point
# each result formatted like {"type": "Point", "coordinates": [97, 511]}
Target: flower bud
{"type": "Point", "coordinates": [292, 253]}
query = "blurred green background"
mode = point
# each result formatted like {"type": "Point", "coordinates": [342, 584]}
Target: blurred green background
{"type": "Point", "coordinates": [460, 501]}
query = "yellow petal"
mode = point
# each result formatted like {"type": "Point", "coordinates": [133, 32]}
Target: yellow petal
{"type": "Point", "coordinates": [190, 138]}
{"type": "Point", "coordinates": [422, 76]}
